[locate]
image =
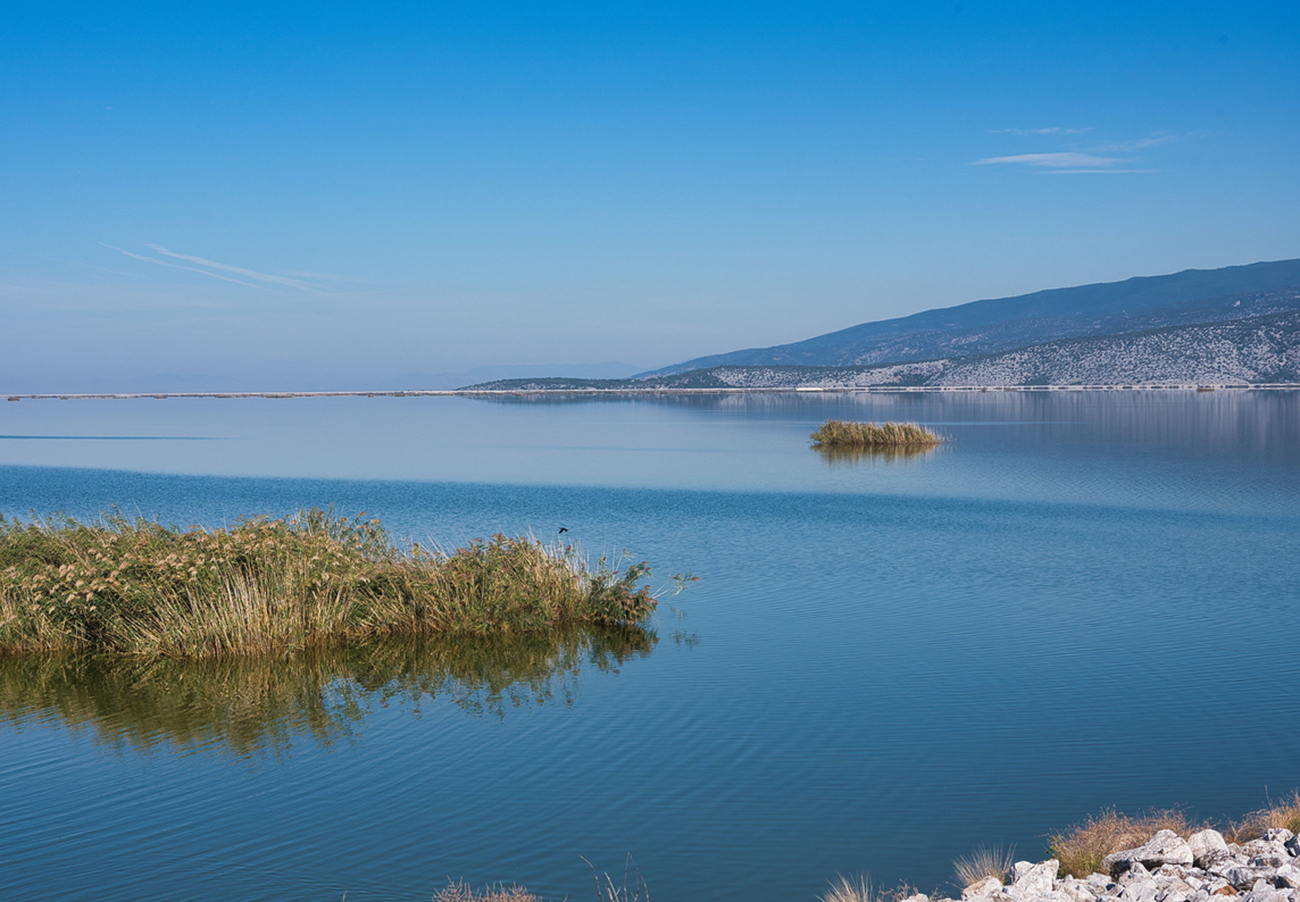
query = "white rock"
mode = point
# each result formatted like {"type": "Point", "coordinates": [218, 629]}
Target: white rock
{"type": "Point", "coordinates": [1263, 891]}
{"type": "Point", "coordinates": [1266, 853]}
{"type": "Point", "coordinates": [1279, 834]}
{"type": "Point", "coordinates": [1100, 884]}
{"type": "Point", "coordinates": [1207, 847]}
{"type": "Point", "coordinates": [1166, 847]}
{"type": "Point", "coordinates": [1135, 874]}
{"type": "Point", "coordinates": [1021, 868]}
{"type": "Point", "coordinates": [1242, 876]}
{"type": "Point", "coordinates": [1218, 886]}
{"type": "Point", "coordinates": [1079, 890]}
{"type": "Point", "coordinates": [1033, 881]}
{"type": "Point", "coordinates": [982, 888]}
{"type": "Point", "coordinates": [1140, 890]}
{"type": "Point", "coordinates": [1222, 866]}
{"type": "Point", "coordinates": [1174, 889]}
{"type": "Point", "coordinates": [1289, 874]}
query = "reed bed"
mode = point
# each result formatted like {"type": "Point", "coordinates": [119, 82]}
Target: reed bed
{"type": "Point", "coordinates": [268, 584]}
{"type": "Point", "coordinates": [849, 434]}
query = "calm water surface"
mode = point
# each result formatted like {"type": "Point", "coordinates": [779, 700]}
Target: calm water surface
{"type": "Point", "coordinates": [1082, 600]}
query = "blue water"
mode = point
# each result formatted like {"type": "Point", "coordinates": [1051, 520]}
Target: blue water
{"type": "Point", "coordinates": [1082, 600]}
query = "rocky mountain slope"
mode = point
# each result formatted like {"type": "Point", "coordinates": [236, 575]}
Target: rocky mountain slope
{"type": "Point", "coordinates": [982, 328]}
{"type": "Point", "coordinates": [1254, 350]}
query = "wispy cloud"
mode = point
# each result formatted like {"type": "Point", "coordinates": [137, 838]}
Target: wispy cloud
{"type": "Point", "coordinates": [1080, 156]}
{"type": "Point", "coordinates": [331, 277]}
{"type": "Point", "coordinates": [238, 270]}
{"type": "Point", "coordinates": [187, 268]}
{"type": "Point", "coordinates": [1054, 130]}
{"type": "Point", "coordinates": [1063, 160]}
{"type": "Point", "coordinates": [1098, 171]}
{"type": "Point", "coordinates": [249, 278]}
{"type": "Point", "coordinates": [1137, 144]}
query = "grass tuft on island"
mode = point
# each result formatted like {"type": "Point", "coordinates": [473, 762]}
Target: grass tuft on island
{"type": "Point", "coordinates": [135, 586]}
{"type": "Point", "coordinates": [849, 435]}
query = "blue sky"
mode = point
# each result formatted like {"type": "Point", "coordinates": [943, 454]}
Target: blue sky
{"type": "Point", "coordinates": [331, 196]}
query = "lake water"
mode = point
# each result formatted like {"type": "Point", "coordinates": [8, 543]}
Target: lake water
{"type": "Point", "coordinates": [1080, 601]}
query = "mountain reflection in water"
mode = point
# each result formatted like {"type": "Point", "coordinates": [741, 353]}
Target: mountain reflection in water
{"type": "Point", "coordinates": [246, 704]}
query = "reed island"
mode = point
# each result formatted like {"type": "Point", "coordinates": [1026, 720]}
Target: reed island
{"type": "Point", "coordinates": [134, 586]}
{"type": "Point", "coordinates": [854, 436]}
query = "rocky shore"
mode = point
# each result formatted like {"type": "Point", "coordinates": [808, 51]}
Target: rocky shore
{"type": "Point", "coordinates": [1166, 868]}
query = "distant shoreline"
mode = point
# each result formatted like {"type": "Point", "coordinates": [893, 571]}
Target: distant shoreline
{"type": "Point", "coordinates": [767, 390]}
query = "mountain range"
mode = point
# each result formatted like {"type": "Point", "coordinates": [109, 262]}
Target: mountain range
{"type": "Point", "coordinates": [1235, 324]}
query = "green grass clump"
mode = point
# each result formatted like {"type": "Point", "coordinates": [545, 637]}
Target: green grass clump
{"type": "Point", "coordinates": [847, 434]}
{"type": "Point", "coordinates": [135, 586]}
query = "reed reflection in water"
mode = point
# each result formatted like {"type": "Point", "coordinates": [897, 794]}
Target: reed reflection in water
{"type": "Point", "coordinates": [248, 704]}
{"type": "Point", "coordinates": [882, 453]}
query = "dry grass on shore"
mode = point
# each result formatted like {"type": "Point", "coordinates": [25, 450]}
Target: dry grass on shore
{"type": "Point", "coordinates": [1285, 814]}
{"type": "Point", "coordinates": [1082, 849]}
{"type": "Point", "coordinates": [265, 584]}
{"type": "Point", "coordinates": [847, 434]}
{"type": "Point", "coordinates": [984, 862]}
{"type": "Point", "coordinates": [845, 889]}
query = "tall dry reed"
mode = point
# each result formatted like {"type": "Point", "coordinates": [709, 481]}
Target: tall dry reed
{"type": "Point", "coordinates": [847, 434]}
